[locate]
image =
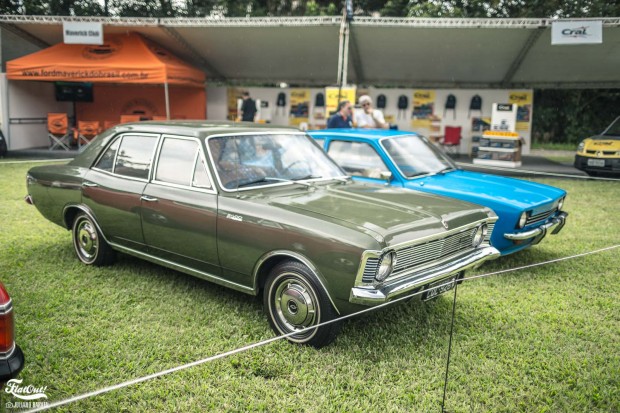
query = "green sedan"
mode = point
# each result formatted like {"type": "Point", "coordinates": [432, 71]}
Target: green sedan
{"type": "Point", "coordinates": [262, 210]}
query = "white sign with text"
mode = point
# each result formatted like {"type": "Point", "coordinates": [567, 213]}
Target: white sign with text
{"type": "Point", "coordinates": [82, 33]}
{"type": "Point", "coordinates": [577, 32]}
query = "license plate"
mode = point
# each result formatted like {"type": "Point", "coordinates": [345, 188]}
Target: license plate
{"type": "Point", "coordinates": [596, 162]}
{"type": "Point", "coordinates": [437, 288]}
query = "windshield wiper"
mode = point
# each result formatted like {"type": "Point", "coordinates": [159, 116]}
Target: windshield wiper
{"type": "Point", "coordinates": [311, 176]}
{"type": "Point", "coordinates": [270, 178]}
{"type": "Point", "coordinates": [446, 169]}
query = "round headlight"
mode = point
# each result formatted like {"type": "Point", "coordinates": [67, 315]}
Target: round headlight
{"type": "Point", "coordinates": [560, 204]}
{"type": "Point", "coordinates": [522, 220]}
{"type": "Point", "coordinates": [387, 264]}
{"type": "Point", "coordinates": [581, 146]}
{"type": "Point", "coordinates": [479, 235]}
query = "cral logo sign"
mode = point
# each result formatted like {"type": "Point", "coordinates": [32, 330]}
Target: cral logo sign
{"type": "Point", "coordinates": [576, 32]}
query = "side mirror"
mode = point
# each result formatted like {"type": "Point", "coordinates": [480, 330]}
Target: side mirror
{"type": "Point", "coordinates": [386, 176]}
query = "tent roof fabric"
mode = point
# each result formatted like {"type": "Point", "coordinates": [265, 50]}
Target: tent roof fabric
{"type": "Point", "coordinates": [123, 58]}
{"type": "Point", "coordinates": [404, 52]}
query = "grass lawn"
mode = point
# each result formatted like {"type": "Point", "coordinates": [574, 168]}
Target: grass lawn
{"type": "Point", "coordinates": [563, 159]}
{"type": "Point", "coordinates": [557, 146]}
{"type": "Point", "coordinates": [539, 340]}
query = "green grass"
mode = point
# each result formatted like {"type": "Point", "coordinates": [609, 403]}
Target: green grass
{"type": "Point", "coordinates": [538, 340]}
{"type": "Point", "coordinates": [564, 159]}
{"type": "Point", "coordinates": [555, 146]}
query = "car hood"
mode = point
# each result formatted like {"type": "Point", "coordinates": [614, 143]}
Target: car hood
{"type": "Point", "coordinates": [395, 214]}
{"type": "Point", "coordinates": [489, 190]}
{"type": "Point", "coordinates": [603, 143]}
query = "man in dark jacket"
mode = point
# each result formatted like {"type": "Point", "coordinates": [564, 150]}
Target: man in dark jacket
{"type": "Point", "coordinates": [248, 108]}
{"type": "Point", "coordinates": [342, 118]}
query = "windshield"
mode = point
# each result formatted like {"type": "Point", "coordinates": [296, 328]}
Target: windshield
{"type": "Point", "coordinates": [250, 161]}
{"type": "Point", "coordinates": [414, 156]}
{"type": "Point", "coordinates": [613, 129]}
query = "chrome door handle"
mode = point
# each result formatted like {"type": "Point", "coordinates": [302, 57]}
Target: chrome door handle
{"type": "Point", "coordinates": [89, 184]}
{"type": "Point", "coordinates": [148, 198]}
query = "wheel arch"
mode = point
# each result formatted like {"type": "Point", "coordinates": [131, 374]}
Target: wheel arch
{"type": "Point", "coordinates": [271, 259]}
{"type": "Point", "coordinates": [71, 211]}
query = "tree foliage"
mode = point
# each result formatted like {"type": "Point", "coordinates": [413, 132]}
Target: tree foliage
{"type": "Point", "coordinates": [242, 8]}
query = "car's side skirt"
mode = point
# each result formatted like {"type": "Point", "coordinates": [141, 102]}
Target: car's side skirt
{"type": "Point", "coordinates": [182, 268]}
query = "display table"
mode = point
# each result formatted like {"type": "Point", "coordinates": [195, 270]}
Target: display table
{"type": "Point", "coordinates": [499, 148]}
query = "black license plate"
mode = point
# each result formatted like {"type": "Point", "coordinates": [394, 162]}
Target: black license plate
{"type": "Point", "coordinates": [437, 288]}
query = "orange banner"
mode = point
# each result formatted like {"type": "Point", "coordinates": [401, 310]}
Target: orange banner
{"type": "Point", "coordinates": [121, 59]}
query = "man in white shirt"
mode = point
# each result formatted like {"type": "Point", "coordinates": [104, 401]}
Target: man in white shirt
{"type": "Point", "coordinates": [369, 117]}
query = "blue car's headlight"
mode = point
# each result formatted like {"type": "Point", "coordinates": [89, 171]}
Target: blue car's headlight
{"type": "Point", "coordinates": [560, 204]}
{"type": "Point", "coordinates": [522, 220]}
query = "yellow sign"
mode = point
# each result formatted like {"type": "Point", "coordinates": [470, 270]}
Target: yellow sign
{"type": "Point", "coordinates": [233, 95]}
{"type": "Point", "coordinates": [500, 134]}
{"type": "Point", "coordinates": [423, 108]}
{"type": "Point", "coordinates": [300, 106]}
{"type": "Point", "coordinates": [332, 98]}
{"type": "Point", "coordinates": [523, 100]}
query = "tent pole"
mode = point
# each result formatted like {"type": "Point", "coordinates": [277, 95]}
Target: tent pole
{"type": "Point", "coordinates": [167, 100]}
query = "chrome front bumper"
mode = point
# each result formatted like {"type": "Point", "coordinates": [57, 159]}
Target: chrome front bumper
{"type": "Point", "coordinates": [555, 224]}
{"type": "Point", "coordinates": [369, 295]}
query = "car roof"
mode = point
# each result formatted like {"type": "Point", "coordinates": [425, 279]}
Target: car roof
{"type": "Point", "coordinates": [370, 134]}
{"type": "Point", "coordinates": [196, 128]}
{"type": "Point", "coordinates": [199, 128]}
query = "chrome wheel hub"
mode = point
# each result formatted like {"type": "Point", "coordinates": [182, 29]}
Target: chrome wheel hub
{"type": "Point", "coordinates": [86, 240]}
{"type": "Point", "coordinates": [295, 305]}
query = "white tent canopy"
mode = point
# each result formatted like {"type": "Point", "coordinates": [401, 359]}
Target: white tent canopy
{"type": "Point", "coordinates": [404, 52]}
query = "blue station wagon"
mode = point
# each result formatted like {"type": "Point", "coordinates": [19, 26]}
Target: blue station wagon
{"type": "Point", "coordinates": [527, 210]}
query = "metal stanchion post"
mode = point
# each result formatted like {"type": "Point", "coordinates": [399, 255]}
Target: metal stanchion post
{"type": "Point", "coordinates": [445, 384]}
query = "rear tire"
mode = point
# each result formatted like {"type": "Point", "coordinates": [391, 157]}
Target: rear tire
{"type": "Point", "coordinates": [295, 300]}
{"type": "Point", "coordinates": [89, 245]}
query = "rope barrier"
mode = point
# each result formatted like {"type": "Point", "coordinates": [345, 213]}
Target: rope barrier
{"type": "Point", "coordinates": [274, 339]}
{"type": "Point", "coordinates": [525, 171]}
{"type": "Point", "coordinates": [36, 161]}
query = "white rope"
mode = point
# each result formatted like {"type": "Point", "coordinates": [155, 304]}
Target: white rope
{"type": "Point", "coordinates": [273, 339]}
{"type": "Point", "coordinates": [524, 171]}
{"type": "Point", "coordinates": [36, 161]}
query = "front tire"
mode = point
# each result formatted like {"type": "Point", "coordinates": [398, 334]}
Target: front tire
{"type": "Point", "coordinates": [89, 245]}
{"type": "Point", "coordinates": [295, 300]}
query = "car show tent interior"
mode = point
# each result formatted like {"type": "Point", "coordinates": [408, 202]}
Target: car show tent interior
{"type": "Point", "coordinates": [441, 53]}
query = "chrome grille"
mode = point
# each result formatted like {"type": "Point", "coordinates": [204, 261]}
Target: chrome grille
{"type": "Point", "coordinates": [539, 217]}
{"type": "Point", "coordinates": [370, 270]}
{"type": "Point", "coordinates": [490, 227]}
{"type": "Point", "coordinates": [434, 250]}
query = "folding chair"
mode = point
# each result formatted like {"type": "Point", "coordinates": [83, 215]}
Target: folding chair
{"type": "Point", "coordinates": [451, 140]}
{"type": "Point", "coordinates": [130, 118]}
{"type": "Point", "coordinates": [58, 130]}
{"type": "Point", "coordinates": [86, 131]}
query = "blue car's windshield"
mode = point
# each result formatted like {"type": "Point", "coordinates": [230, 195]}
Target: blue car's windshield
{"type": "Point", "coordinates": [414, 156]}
{"type": "Point", "coordinates": [246, 161]}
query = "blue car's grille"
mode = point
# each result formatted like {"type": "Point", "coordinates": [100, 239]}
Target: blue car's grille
{"type": "Point", "coordinates": [416, 255]}
{"type": "Point", "coordinates": [540, 217]}
{"type": "Point", "coordinates": [370, 270]}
